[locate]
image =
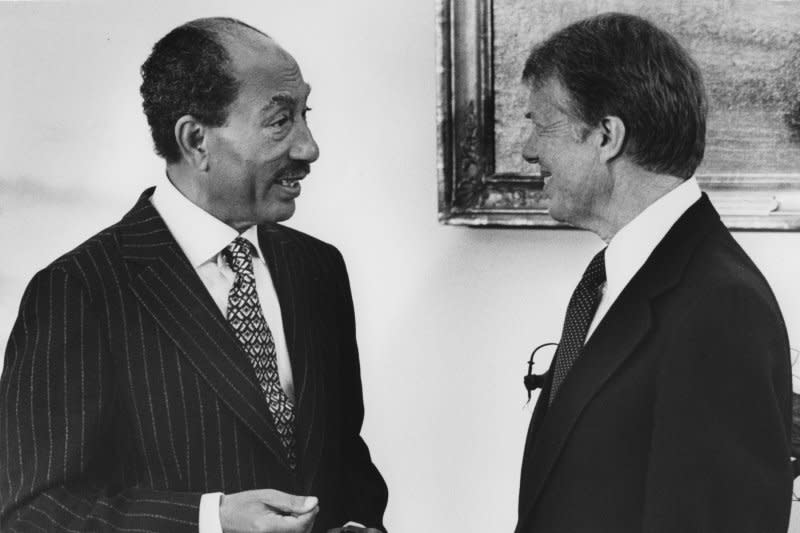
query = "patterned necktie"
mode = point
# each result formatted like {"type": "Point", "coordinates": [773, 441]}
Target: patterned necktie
{"type": "Point", "coordinates": [247, 320]}
{"type": "Point", "coordinates": [580, 312]}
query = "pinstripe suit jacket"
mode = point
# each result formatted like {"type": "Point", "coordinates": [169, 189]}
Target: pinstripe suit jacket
{"type": "Point", "coordinates": [125, 394]}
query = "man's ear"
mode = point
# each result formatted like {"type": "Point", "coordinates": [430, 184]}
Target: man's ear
{"type": "Point", "coordinates": [612, 137]}
{"type": "Point", "coordinates": [192, 139]}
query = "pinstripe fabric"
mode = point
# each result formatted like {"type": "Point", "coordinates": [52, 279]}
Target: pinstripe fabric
{"type": "Point", "coordinates": [125, 395]}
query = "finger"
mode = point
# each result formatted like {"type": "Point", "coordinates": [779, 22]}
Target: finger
{"type": "Point", "coordinates": [313, 516]}
{"type": "Point", "coordinates": [288, 503]}
{"type": "Point", "coordinates": [303, 523]}
{"type": "Point", "coordinates": [289, 523]}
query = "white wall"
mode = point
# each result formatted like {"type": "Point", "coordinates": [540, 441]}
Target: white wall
{"type": "Point", "coordinates": [446, 316]}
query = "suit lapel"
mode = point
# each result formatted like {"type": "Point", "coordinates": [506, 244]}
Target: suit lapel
{"type": "Point", "coordinates": [539, 411]}
{"type": "Point", "coordinates": [611, 344]}
{"type": "Point", "coordinates": [298, 291]}
{"type": "Point", "coordinates": [170, 290]}
{"type": "Point", "coordinates": [619, 333]}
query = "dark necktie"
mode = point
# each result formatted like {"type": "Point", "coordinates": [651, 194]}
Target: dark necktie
{"type": "Point", "coordinates": [247, 320]}
{"type": "Point", "coordinates": [580, 312]}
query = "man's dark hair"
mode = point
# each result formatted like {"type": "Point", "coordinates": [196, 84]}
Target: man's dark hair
{"type": "Point", "coordinates": [189, 73]}
{"type": "Point", "coordinates": [622, 65]}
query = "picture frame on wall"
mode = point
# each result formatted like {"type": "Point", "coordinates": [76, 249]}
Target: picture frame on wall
{"type": "Point", "coordinates": [747, 50]}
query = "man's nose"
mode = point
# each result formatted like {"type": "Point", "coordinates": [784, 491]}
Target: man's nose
{"type": "Point", "coordinates": [530, 153]}
{"type": "Point", "coordinates": [304, 147]}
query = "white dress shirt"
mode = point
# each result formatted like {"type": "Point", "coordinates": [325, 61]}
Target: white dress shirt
{"type": "Point", "coordinates": [632, 245]}
{"type": "Point", "coordinates": [202, 237]}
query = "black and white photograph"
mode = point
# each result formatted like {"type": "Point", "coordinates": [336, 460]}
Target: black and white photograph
{"type": "Point", "coordinates": [380, 266]}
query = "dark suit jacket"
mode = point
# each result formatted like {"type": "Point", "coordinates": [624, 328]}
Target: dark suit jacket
{"type": "Point", "coordinates": [125, 394]}
{"type": "Point", "coordinates": [676, 416]}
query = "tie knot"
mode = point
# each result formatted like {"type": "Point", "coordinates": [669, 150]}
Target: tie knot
{"type": "Point", "coordinates": [595, 274]}
{"type": "Point", "coordinates": [239, 255]}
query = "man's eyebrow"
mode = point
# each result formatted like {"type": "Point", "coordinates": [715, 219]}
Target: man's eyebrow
{"type": "Point", "coordinates": [285, 100]}
{"type": "Point", "coordinates": [280, 99]}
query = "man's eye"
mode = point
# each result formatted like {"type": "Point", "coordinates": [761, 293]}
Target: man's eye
{"type": "Point", "coordinates": [280, 122]}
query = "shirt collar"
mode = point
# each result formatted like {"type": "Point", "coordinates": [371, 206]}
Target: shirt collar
{"type": "Point", "coordinates": [200, 235]}
{"type": "Point", "coordinates": [633, 244]}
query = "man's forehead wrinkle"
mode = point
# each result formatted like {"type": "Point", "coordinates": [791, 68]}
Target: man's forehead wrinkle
{"type": "Point", "coordinates": [267, 79]}
{"type": "Point", "coordinates": [273, 53]}
{"type": "Point", "coordinates": [288, 72]}
{"type": "Point", "coordinates": [283, 54]}
{"type": "Point", "coordinates": [282, 98]}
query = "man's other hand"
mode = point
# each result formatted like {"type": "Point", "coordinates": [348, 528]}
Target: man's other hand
{"type": "Point", "coordinates": [267, 511]}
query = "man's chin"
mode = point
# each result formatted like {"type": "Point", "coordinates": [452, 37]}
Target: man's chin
{"type": "Point", "coordinates": [555, 209]}
{"type": "Point", "coordinates": [278, 213]}
{"type": "Point", "coordinates": [558, 218]}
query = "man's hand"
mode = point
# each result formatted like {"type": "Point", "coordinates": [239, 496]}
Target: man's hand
{"type": "Point", "coordinates": [267, 511]}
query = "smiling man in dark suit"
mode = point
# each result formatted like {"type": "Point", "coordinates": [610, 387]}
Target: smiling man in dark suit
{"type": "Point", "coordinates": [194, 366]}
{"type": "Point", "coordinates": [667, 405]}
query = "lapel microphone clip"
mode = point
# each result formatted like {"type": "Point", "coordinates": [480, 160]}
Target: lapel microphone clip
{"type": "Point", "coordinates": [535, 381]}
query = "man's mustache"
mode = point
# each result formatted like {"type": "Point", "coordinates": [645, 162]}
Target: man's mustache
{"type": "Point", "coordinates": [295, 170]}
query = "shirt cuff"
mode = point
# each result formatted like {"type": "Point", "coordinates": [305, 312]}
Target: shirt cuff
{"type": "Point", "coordinates": [209, 521]}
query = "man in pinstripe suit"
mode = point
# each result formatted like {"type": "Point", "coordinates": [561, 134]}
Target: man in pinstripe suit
{"type": "Point", "coordinates": [194, 366]}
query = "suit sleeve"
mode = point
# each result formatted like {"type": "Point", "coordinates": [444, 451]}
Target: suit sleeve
{"type": "Point", "coordinates": [720, 448]}
{"type": "Point", "coordinates": [367, 492]}
{"type": "Point", "coordinates": [58, 468]}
